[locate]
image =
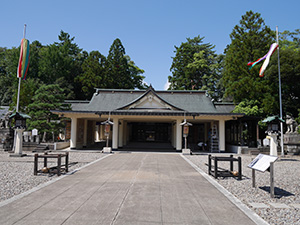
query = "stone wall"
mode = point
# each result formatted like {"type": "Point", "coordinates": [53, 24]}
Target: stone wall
{"type": "Point", "coordinates": [292, 143]}
{"type": "Point", "coordinates": [6, 139]}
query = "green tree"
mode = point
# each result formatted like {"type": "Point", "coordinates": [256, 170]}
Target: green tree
{"type": "Point", "coordinates": [136, 74]}
{"type": "Point", "coordinates": [121, 73]}
{"type": "Point", "coordinates": [35, 57]}
{"type": "Point", "coordinates": [94, 74]}
{"type": "Point", "coordinates": [250, 40]}
{"type": "Point", "coordinates": [290, 76]}
{"type": "Point", "coordinates": [8, 74]}
{"type": "Point", "coordinates": [289, 71]}
{"type": "Point", "coordinates": [249, 107]}
{"type": "Point", "coordinates": [46, 98]}
{"type": "Point", "coordinates": [298, 120]}
{"type": "Point", "coordinates": [4, 79]}
{"type": "Point", "coordinates": [27, 90]}
{"type": "Point", "coordinates": [62, 60]}
{"type": "Point", "coordinates": [2, 61]}
{"type": "Point", "coordinates": [290, 40]}
{"type": "Point", "coordinates": [196, 66]}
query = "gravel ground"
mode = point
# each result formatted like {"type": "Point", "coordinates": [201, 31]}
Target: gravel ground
{"type": "Point", "coordinates": [287, 187]}
{"type": "Point", "coordinates": [16, 177]}
{"type": "Point", "coordinates": [16, 174]}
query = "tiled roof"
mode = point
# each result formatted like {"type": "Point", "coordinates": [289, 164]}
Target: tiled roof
{"type": "Point", "coordinates": [116, 100]}
{"type": "Point", "coordinates": [224, 106]}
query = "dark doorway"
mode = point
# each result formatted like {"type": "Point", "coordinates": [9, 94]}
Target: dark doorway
{"type": "Point", "coordinates": [196, 138]}
{"type": "Point", "coordinates": [151, 132]}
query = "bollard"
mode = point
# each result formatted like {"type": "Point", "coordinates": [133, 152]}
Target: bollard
{"type": "Point", "coordinates": [35, 164]}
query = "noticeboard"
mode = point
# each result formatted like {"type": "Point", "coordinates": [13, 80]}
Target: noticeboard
{"type": "Point", "coordinates": [34, 132]}
{"type": "Point", "coordinates": [262, 162]}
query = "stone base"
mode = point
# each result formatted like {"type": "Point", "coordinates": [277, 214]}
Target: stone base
{"type": "Point", "coordinates": [186, 151]}
{"type": "Point", "coordinates": [292, 143]}
{"type": "Point", "coordinates": [291, 139]}
{"type": "Point", "coordinates": [17, 155]}
{"type": "Point", "coordinates": [293, 149]}
{"type": "Point", "coordinates": [107, 150]}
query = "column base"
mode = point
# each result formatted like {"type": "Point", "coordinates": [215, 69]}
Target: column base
{"type": "Point", "coordinates": [17, 155]}
{"type": "Point", "coordinates": [107, 150]}
{"type": "Point", "coordinates": [186, 151]}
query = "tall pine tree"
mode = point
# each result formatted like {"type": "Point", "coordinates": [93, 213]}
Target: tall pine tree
{"type": "Point", "coordinates": [119, 69]}
{"type": "Point", "coordinates": [94, 75]}
{"type": "Point", "coordinates": [250, 40]}
{"type": "Point", "coordinates": [196, 66]}
{"type": "Point", "coordinates": [46, 98]}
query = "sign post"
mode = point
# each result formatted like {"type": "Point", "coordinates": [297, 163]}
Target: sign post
{"type": "Point", "coordinates": [272, 179]}
{"type": "Point", "coordinates": [262, 163]}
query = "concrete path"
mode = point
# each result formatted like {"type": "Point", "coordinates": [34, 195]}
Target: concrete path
{"type": "Point", "coordinates": [127, 188]}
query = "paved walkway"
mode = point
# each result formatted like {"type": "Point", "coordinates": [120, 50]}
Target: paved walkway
{"type": "Point", "coordinates": [127, 188]}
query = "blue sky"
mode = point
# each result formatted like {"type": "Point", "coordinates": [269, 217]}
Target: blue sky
{"type": "Point", "coordinates": [148, 29]}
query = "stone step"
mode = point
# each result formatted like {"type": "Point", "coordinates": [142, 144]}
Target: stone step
{"type": "Point", "coordinates": [41, 148]}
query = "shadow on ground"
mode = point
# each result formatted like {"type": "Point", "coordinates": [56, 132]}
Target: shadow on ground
{"type": "Point", "coordinates": [279, 193]}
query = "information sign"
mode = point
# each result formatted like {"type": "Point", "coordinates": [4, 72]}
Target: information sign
{"type": "Point", "coordinates": [262, 162]}
{"type": "Point", "coordinates": [34, 132]}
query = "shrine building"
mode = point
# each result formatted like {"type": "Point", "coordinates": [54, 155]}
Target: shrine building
{"type": "Point", "coordinates": [150, 116]}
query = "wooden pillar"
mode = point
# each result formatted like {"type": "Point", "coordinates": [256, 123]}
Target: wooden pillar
{"type": "Point", "coordinates": [125, 133]}
{"type": "Point", "coordinates": [178, 135]}
{"type": "Point", "coordinates": [222, 135]}
{"type": "Point", "coordinates": [115, 133]}
{"type": "Point", "coordinates": [73, 132]}
{"type": "Point", "coordinates": [102, 137]}
{"type": "Point", "coordinates": [121, 132]}
{"type": "Point", "coordinates": [85, 133]}
{"type": "Point", "coordinates": [174, 135]}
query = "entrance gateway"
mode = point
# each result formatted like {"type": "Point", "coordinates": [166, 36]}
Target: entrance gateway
{"type": "Point", "coordinates": [148, 116]}
{"type": "Point", "coordinates": [151, 132]}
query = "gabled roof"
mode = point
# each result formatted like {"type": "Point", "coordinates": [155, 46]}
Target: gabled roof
{"type": "Point", "coordinates": [150, 102]}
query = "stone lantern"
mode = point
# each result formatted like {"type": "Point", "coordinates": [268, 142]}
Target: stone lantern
{"type": "Point", "coordinates": [20, 126]}
{"type": "Point", "coordinates": [273, 131]}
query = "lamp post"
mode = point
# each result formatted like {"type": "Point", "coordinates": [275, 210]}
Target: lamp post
{"type": "Point", "coordinates": [20, 126]}
{"type": "Point", "coordinates": [186, 126]}
{"type": "Point", "coordinates": [107, 125]}
{"type": "Point", "coordinates": [273, 132]}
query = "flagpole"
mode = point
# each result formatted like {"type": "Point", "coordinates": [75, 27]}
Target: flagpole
{"type": "Point", "coordinates": [18, 151]}
{"type": "Point", "coordinates": [18, 99]}
{"type": "Point", "coordinates": [19, 86]}
{"type": "Point", "coordinates": [280, 101]}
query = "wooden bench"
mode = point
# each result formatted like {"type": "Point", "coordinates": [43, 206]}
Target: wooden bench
{"type": "Point", "coordinates": [47, 156]}
{"type": "Point", "coordinates": [225, 173]}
